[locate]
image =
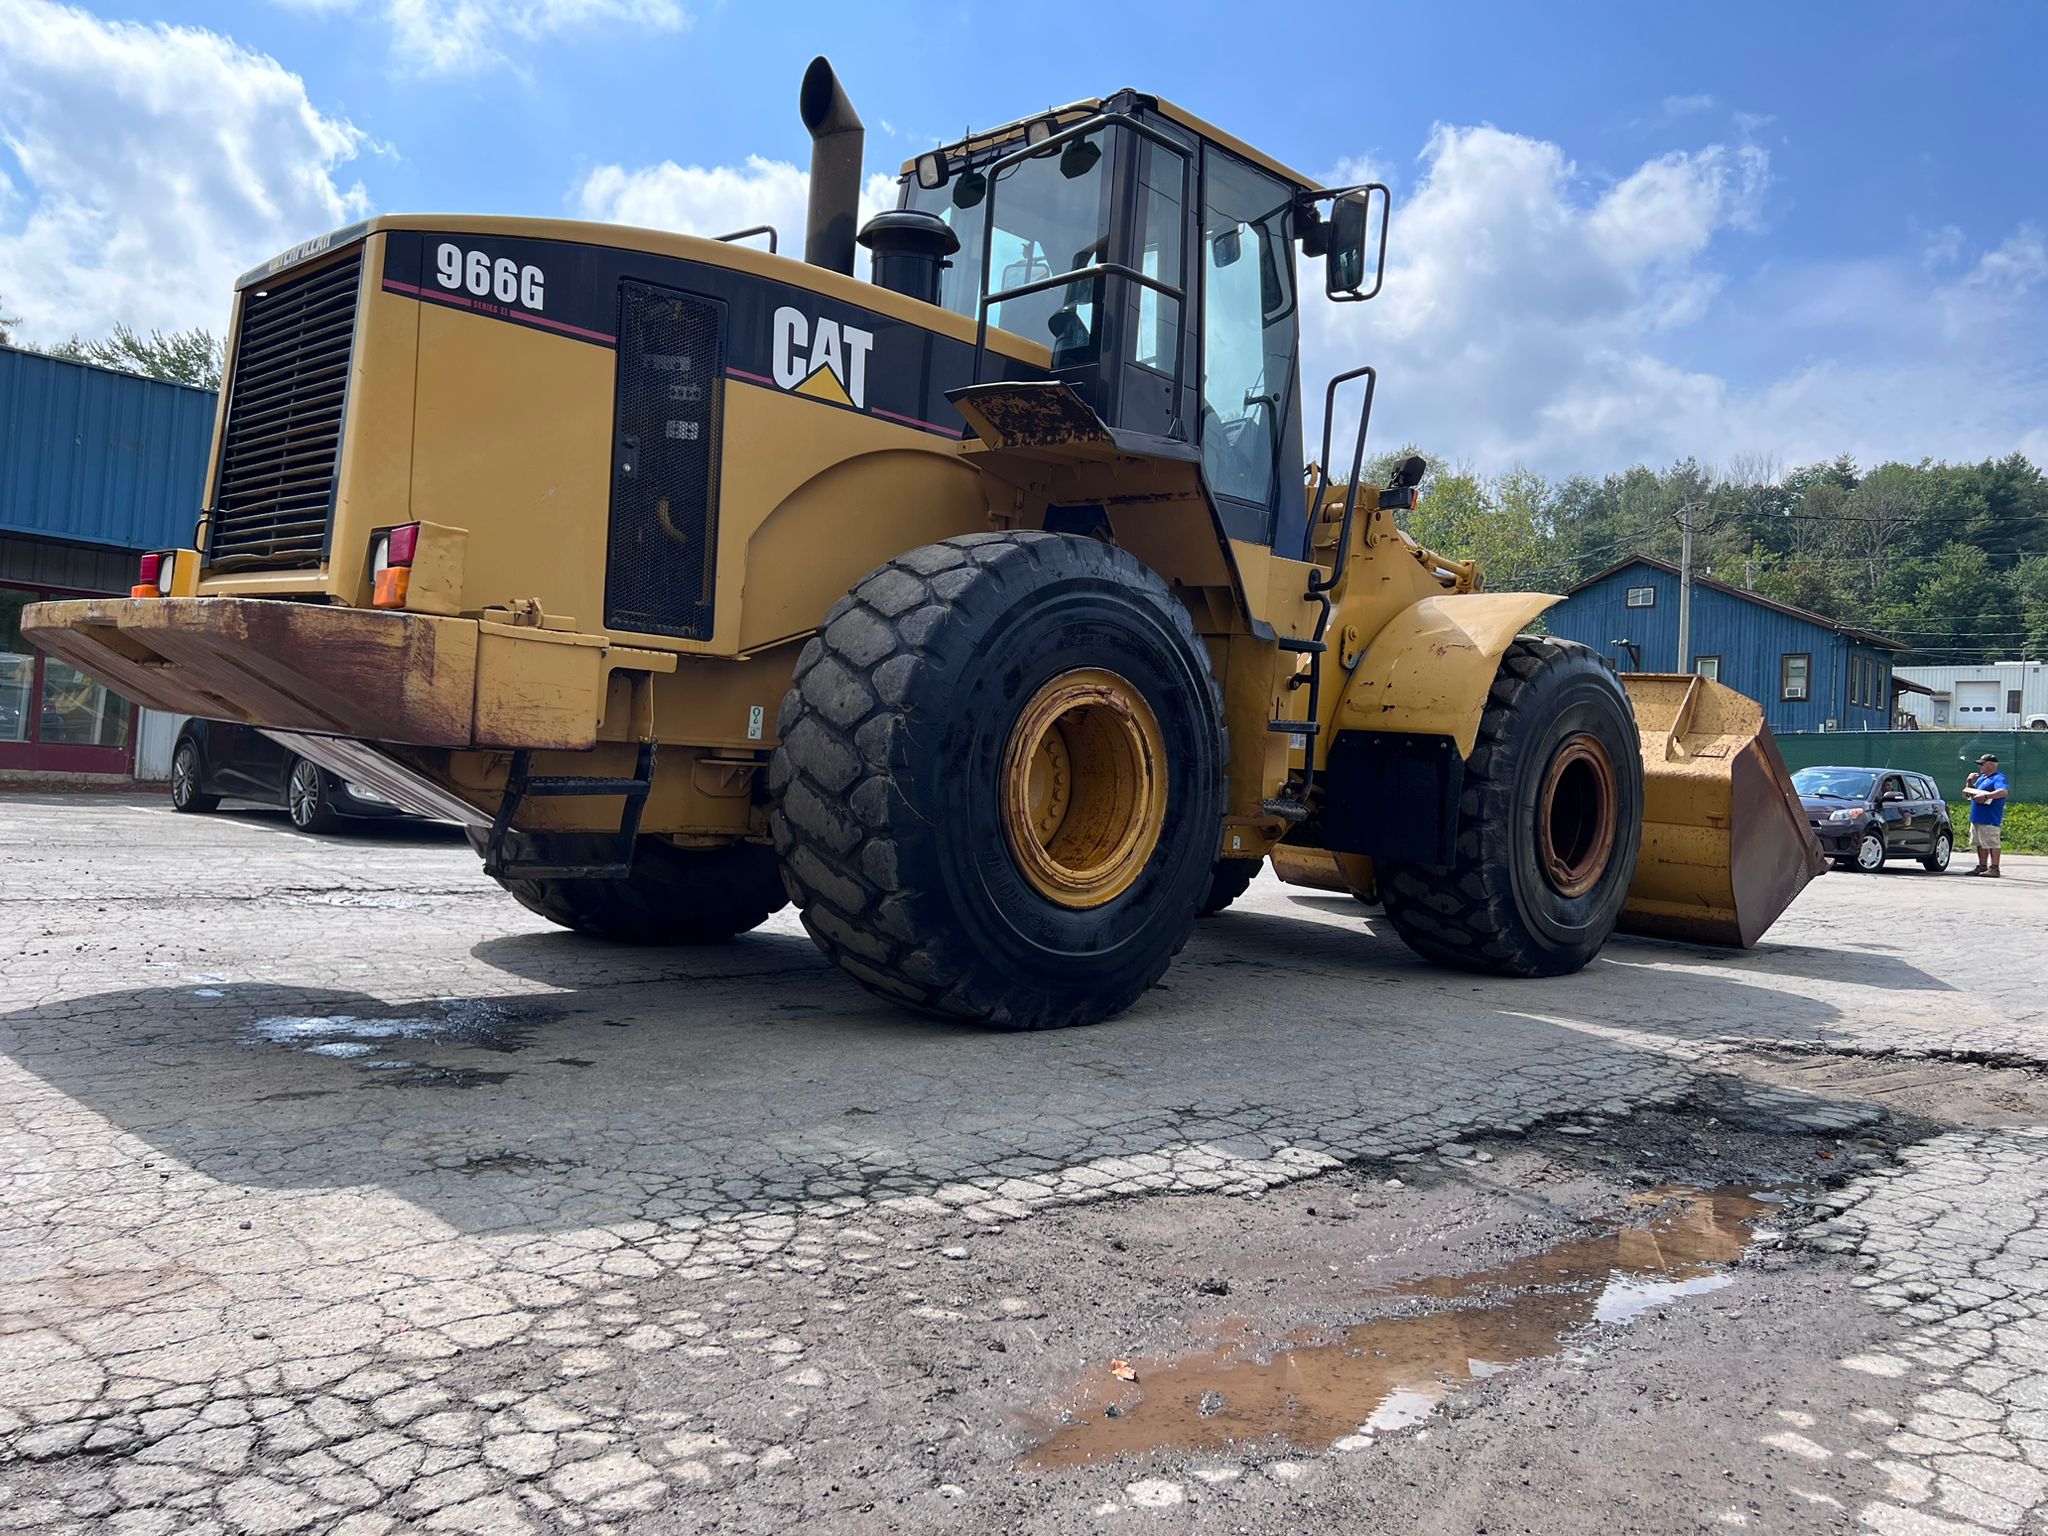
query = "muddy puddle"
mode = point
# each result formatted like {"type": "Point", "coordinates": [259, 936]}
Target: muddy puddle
{"type": "Point", "coordinates": [380, 1044]}
{"type": "Point", "coordinates": [1317, 1387]}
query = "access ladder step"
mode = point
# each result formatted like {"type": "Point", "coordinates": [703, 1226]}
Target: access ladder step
{"type": "Point", "coordinates": [519, 785]}
{"type": "Point", "coordinates": [1286, 810]}
{"type": "Point", "coordinates": [1295, 727]}
{"type": "Point", "coordinates": [1303, 647]}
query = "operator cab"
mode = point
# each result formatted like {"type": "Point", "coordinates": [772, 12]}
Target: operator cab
{"type": "Point", "coordinates": [1183, 357]}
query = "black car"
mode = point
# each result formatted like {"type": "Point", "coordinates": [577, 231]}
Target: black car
{"type": "Point", "coordinates": [1864, 816]}
{"type": "Point", "coordinates": [215, 761]}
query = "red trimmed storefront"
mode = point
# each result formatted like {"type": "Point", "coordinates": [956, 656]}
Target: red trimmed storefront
{"type": "Point", "coordinates": [53, 718]}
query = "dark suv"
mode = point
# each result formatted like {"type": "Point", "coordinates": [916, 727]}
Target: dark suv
{"type": "Point", "coordinates": [215, 761]}
{"type": "Point", "coordinates": [1864, 816]}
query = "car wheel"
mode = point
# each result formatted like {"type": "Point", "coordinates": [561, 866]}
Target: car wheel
{"type": "Point", "coordinates": [306, 799]}
{"type": "Point", "coordinates": [1870, 852]}
{"type": "Point", "coordinates": [185, 782]}
{"type": "Point", "coordinates": [1937, 862]}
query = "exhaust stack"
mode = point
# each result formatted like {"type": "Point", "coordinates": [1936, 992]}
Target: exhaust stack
{"type": "Point", "coordinates": [836, 142]}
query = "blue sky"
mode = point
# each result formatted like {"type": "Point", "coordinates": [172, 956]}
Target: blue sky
{"type": "Point", "coordinates": [1620, 232]}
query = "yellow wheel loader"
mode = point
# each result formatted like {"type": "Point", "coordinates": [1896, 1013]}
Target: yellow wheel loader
{"type": "Point", "coordinates": [979, 609]}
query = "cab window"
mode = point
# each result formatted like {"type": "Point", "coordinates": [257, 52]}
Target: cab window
{"type": "Point", "coordinates": [1247, 327]}
{"type": "Point", "coordinates": [1051, 216]}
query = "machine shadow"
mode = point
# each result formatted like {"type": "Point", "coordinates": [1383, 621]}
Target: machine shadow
{"type": "Point", "coordinates": [1867, 967]}
{"type": "Point", "coordinates": [700, 1085]}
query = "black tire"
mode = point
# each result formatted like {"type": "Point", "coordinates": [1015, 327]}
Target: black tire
{"type": "Point", "coordinates": [1936, 863]}
{"type": "Point", "coordinates": [1229, 880]}
{"type": "Point", "coordinates": [1870, 852]}
{"type": "Point", "coordinates": [187, 774]}
{"type": "Point", "coordinates": [888, 782]}
{"type": "Point", "coordinates": [1495, 908]}
{"type": "Point", "coordinates": [307, 798]}
{"type": "Point", "coordinates": [673, 896]}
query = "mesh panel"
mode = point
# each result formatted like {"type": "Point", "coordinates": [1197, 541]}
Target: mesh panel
{"type": "Point", "coordinates": [279, 448]}
{"type": "Point", "coordinates": [664, 532]}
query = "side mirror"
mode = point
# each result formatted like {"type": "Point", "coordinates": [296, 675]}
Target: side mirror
{"type": "Point", "coordinates": [1351, 247]}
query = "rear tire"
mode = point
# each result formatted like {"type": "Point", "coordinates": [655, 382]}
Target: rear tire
{"type": "Point", "coordinates": [1936, 863]}
{"type": "Point", "coordinates": [1229, 880]}
{"type": "Point", "coordinates": [673, 896]}
{"type": "Point", "coordinates": [1549, 823]}
{"type": "Point", "coordinates": [306, 797]}
{"type": "Point", "coordinates": [187, 774]}
{"type": "Point", "coordinates": [894, 810]}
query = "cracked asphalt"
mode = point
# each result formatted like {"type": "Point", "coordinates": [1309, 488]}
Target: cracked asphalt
{"type": "Point", "coordinates": [341, 1194]}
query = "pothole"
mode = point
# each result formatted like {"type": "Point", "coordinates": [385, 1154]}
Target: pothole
{"type": "Point", "coordinates": [1320, 1387]}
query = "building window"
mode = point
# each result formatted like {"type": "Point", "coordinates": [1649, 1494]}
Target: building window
{"type": "Point", "coordinates": [2012, 701]}
{"type": "Point", "coordinates": [53, 716]}
{"type": "Point", "coordinates": [1708, 667]}
{"type": "Point", "coordinates": [1642, 597]}
{"type": "Point", "coordinates": [1793, 672]}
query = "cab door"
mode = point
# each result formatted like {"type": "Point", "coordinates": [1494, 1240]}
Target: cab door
{"type": "Point", "coordinates": [1250, 427]}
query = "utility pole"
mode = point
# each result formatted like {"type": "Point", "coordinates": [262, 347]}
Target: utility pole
{"type": "Point", "coordinates": [1687, 526]}
{"type": "Point", "coordinates": [1685, 591]}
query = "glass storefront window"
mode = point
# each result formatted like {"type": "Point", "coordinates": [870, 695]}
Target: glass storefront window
{"type": "Point", "coordinates": [78, 712]}
{"type": "Point", "coordinates": [45, 702]}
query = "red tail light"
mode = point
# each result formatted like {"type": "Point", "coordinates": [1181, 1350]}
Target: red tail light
{"type": "Point", "coordinates": [391, 565]}
{"type": "Point", "coordinates": [149, 577]}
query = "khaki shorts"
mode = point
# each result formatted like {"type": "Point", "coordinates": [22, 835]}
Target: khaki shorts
{"type": "Point", "coordinates": [1984, 835]}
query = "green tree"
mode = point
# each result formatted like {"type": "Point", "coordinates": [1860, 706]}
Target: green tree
{"type": "Point", "coordinates": [181, 357]}
{"type": "Point", "coordinates": [1952, 607]}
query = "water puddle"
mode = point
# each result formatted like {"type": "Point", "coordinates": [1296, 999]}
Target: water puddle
{"type": "Point", "coordinates": [1317, 1387]}
{"type": "Point", "coordinates": [373, 1044]}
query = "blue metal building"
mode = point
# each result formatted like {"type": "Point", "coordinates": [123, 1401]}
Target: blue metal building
{"type": "Point", "coordinates": [96, 466]}
{"type": "Point", "coordinates": [1809, 672]}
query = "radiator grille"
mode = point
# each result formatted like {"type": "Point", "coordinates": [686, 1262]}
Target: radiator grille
{"type": "Point", "coordinates": [275, 492]}
{"type": "Point", "coordinates": [663, 549]}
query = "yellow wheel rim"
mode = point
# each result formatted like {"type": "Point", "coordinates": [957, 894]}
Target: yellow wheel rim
{"type": "Point", "coordinates": [1084, 787]}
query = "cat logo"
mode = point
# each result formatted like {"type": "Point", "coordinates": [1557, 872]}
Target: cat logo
{"type": "Point", "coordinates": [822, 358]}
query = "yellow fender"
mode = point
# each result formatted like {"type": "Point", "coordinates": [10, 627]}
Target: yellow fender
{"type": "Point", "coordinates": [1430, 668]}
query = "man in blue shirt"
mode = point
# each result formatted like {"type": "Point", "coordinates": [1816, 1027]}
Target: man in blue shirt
{"type": "Point", "coordinates": [1987, 814]}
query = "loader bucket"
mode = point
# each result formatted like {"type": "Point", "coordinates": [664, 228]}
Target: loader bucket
{"type": "Point", "coordinates": [1726, 844]}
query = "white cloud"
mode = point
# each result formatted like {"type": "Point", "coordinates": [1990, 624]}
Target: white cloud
{"type": "Point", "coordinates": [157, 162]}
{"type": "Point", "coordinates": [1532, 317]}
{"type": "Point", "coordinates": [1674, 106]}
{"type": "Point", "coordinates": [715, 200]}
{"type": "Point", "coordinates": [441, 37]}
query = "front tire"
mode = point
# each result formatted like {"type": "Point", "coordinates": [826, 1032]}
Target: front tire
{"type": "Point", "coordinates": [1549, 823]}
{"type": "Point", "coordinates": [306, 798]}
{"type": "Point", "coordinates": [1000, 780]}
{"type": "Point", "coordinates": [1870, 852]}
{"type": "Point", "coordinates": [1936, 863]}
{"type": "Point", "coordinates": [673, 895]}
{"type": "Point", "coordinates": [187, 774]}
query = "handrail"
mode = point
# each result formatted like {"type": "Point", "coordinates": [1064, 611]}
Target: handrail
{"type": "Point", "coordinates": [1316, 581]}
{"type": "Point", "coordinates": [1082, 129]}
{"type": "Point", "coordinates": [1082, 274]}
{"type": "Point", "coordinates": [748, 233]}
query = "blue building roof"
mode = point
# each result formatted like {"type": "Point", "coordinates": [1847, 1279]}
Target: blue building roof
{"type": "Point", "coordinates": [1808, 671]}
{"type": "Point", "coordinates": [94, 456]}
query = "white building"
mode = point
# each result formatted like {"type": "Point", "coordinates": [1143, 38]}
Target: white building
{"type": "Point", "coordinates": [1991, 696]}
